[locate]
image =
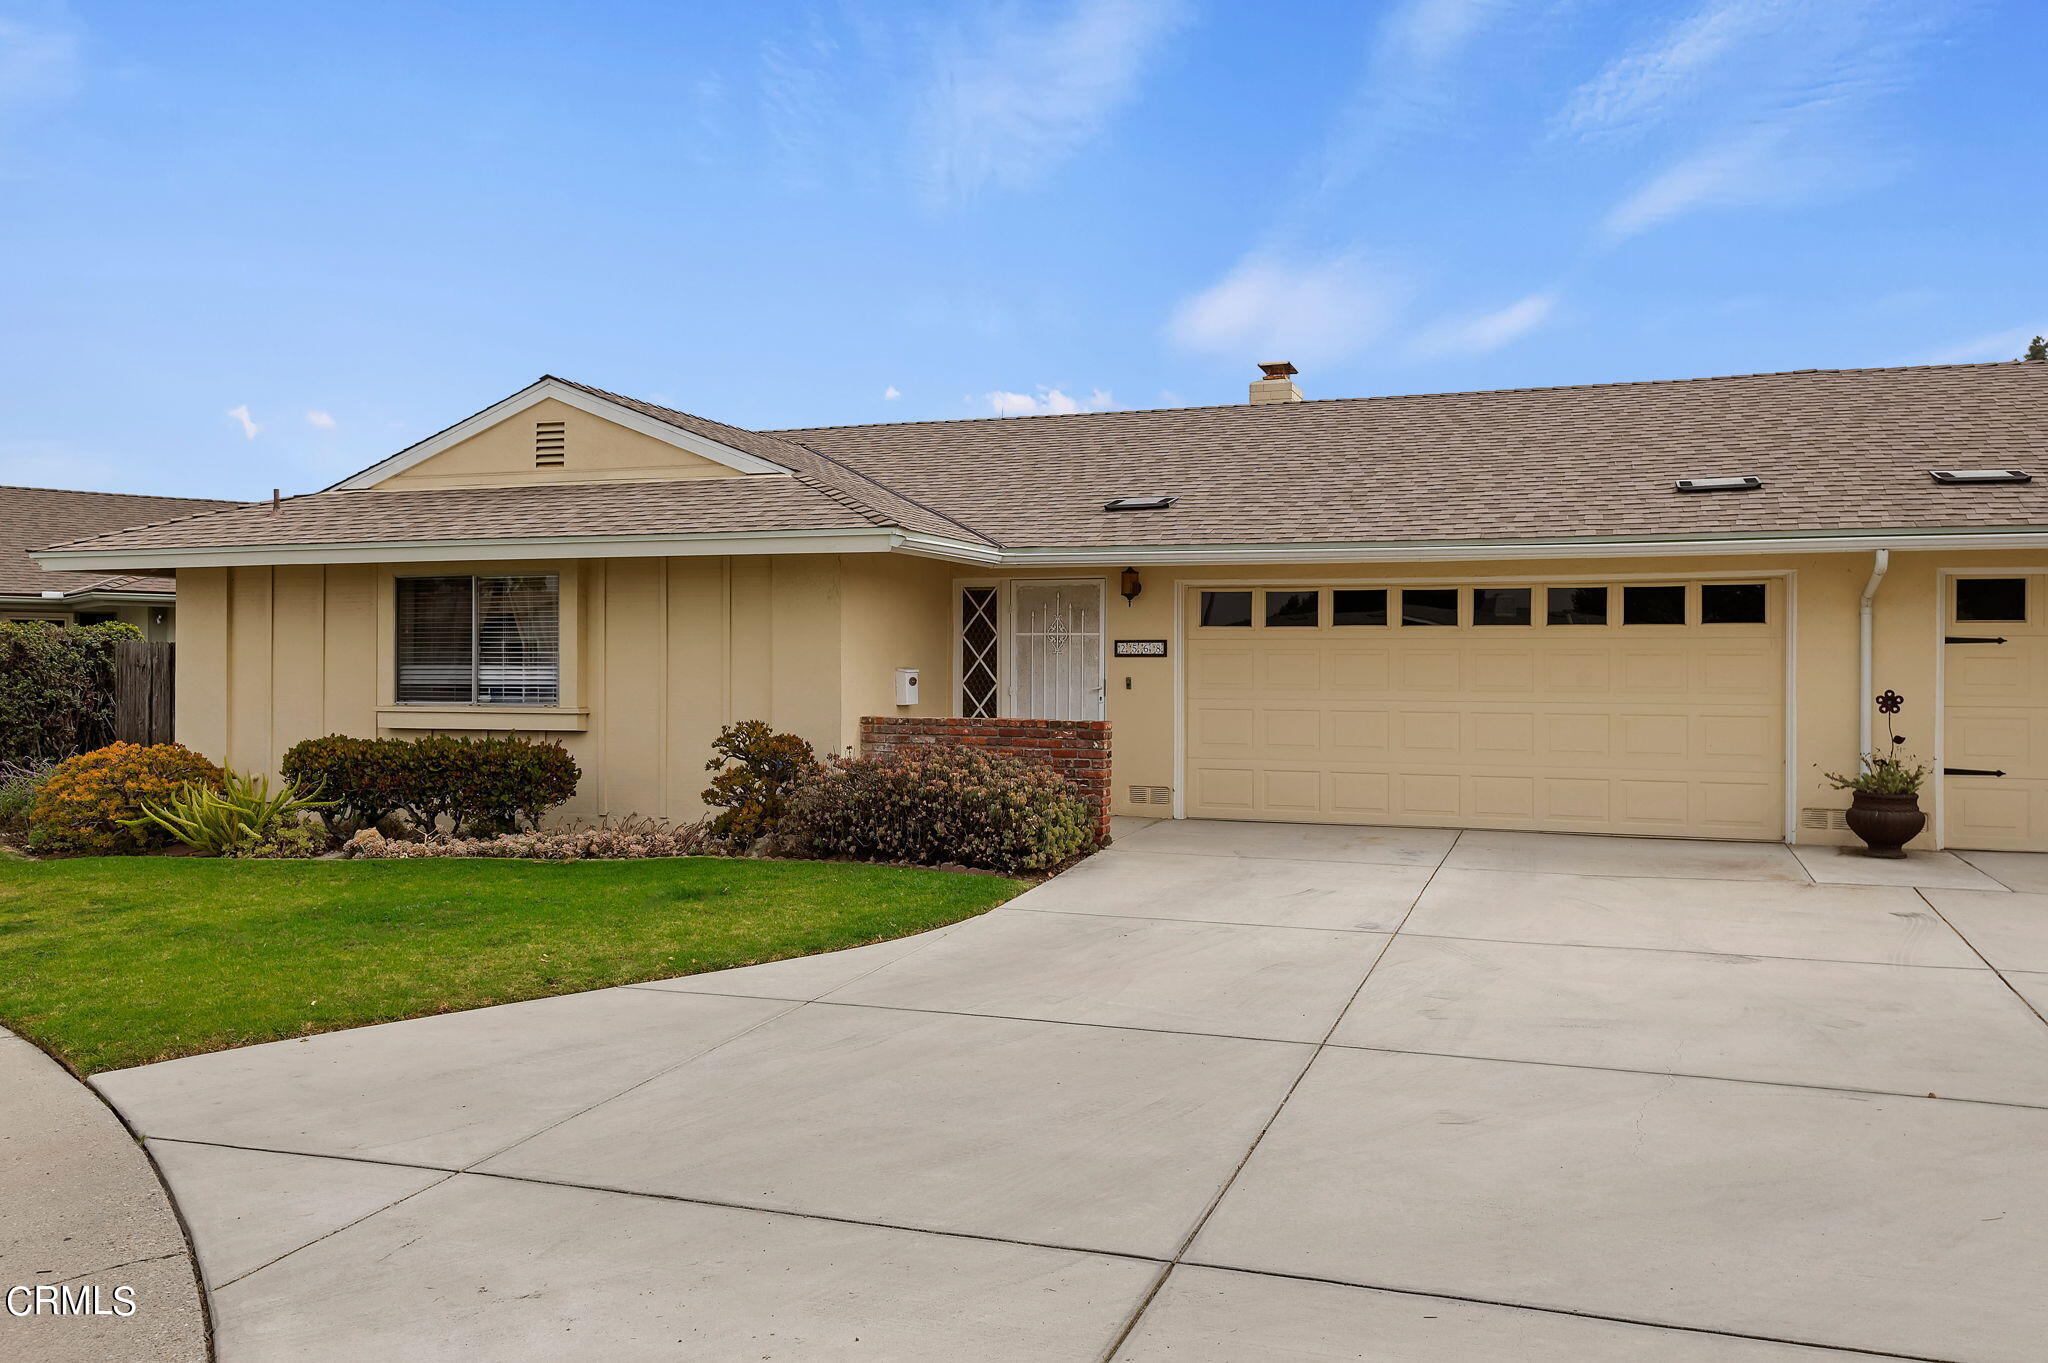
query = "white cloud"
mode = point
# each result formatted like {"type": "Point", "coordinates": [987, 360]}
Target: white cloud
{"type": "Point", "coordinates": [319, 420]}
{"type": "Point", "coordinates": [1996, 345]}
{"type": "Point", "coordinates": [1645, 83]}
{"type": "Point", "coordinates": [1014, 95]}
{"type": "Point", "coordinates": [1747, 170]}
{"type": "Point", "coordinates": [1406, 82]}
{"type": "Point", "coordinates": [248, 424]}
{"type": "Point", "coordinates": [1046, 402]}
{"type": "Point", "coordinates": [891, 393]}
{"type": "Point", "coordinates": [1761, 102]}
{"type": "Point", "coordinates": [1488, 331]}
{"type": "Point", "coordinates": [1271, 309]}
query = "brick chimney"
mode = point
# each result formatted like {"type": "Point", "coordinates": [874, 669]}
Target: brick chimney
{"type": "Point", "coordinates": [1276, 384]}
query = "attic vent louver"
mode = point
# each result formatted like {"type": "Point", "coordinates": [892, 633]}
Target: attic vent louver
{"type": "Point", "coordinates": [1139, 503]}
{"type": "Point", "coordinates": [1979, 476]}
{"type": "Point", "coordinates": [1744, 484]}
{"type": "Point", "coordinates": [550, 444]}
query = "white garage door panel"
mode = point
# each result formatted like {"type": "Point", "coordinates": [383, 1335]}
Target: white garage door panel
{"type": "Point", "coordinates": [1997, 720]}
{"type": "Point", "coordinates": [1619, 729]}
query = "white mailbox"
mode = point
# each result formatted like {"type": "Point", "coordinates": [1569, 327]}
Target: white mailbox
{"type": "Point", "coordinates": [906, 686]}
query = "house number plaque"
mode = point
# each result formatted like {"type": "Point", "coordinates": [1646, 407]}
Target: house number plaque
{"type": "Point", "coordinates": [1141, 648]}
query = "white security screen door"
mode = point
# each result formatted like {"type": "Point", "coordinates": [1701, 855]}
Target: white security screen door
{"type": "Point", "coordinates": [1056, 661]}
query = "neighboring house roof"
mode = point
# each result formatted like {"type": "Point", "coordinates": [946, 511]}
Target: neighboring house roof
{"type": "Point", "coordinates": [1839, 451]}
{"type": "Point", "coordinates": [31, 517]}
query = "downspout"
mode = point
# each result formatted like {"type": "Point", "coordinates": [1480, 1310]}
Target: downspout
{"type": "Point", "coordinates": [1863, 650]}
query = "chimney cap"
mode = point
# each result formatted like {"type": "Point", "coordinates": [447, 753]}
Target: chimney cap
{"type": "Point", "coordinates": [1277, 369]}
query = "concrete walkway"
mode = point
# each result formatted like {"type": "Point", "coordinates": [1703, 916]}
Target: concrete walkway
{"type": "Point", "coordinates": [1225, 1093]}
{"type": "Point", "coordinates": [82, 1213]}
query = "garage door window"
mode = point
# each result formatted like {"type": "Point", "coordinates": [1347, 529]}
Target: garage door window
{"type": "Point", "coordinates": [1577, 606]}
{"type": "Point", "coordinates": [1500, 605]}
{"type": "Point", "coordinates": [1991, 598]}
{"type": "Point", "coordinates": [1366, 606]}
{"type": "Point", "coordinates": [1300, 610]}
{"type": "Point", "coordinates": [1429, 606]}
{"type": "Point", "coordinates": [1732, 603]}
{"type": "Point", "coordinates": [1653, 605]}
{"type": "Point", "coordinates": [1226, 610]}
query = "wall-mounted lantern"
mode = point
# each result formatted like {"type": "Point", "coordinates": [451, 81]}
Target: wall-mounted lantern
{"type": "Point", "coordinates": [1131, 586]}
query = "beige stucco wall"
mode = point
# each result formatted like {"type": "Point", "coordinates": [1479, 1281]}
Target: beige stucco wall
{"type": "Point", "coordinates": [597, 451]}
{"type": "Point", "coordinates": [657, 655]}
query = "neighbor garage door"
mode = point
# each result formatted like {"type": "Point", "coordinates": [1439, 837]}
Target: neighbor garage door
{"type": "Point", "coordinates": [1638, 707]}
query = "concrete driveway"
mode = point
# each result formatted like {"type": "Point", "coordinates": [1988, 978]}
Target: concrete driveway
{"type": "Point", "coordinates": [1226, 1093]}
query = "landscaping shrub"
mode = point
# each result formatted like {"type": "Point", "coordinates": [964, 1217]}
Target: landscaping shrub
{"type": "Point", "coordinates": [56, 688]}
{"type": "Point", "coordinates": [236, 820]}
{"type": "Point", "coordinates": [937, 805]}
{"type": "Point", "coordinates": [19, 783]}
{"type": "Point", "coordinates": [89, 802]}
{"type": "Point", "coordinates": [758, 771]}
{"type": "Point", "coordinates": [609, 842]}
{"type": "Point", "coordinates": [362, 779]}
{"type": "Point", "coordinates": [480, 785]}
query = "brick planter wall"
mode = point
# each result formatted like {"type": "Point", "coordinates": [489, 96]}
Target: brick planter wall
{"type": "Point", "coordinates": [1078, 749]}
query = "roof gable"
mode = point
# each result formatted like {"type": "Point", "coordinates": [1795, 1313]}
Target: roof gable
{"type": "Point", "coordinates": [495, 447]}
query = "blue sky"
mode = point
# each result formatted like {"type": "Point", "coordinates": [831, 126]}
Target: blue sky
{"type": "Point", "coordinates": [257, 245]}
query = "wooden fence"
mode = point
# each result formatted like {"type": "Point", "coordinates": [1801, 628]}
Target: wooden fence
{"type": "Point", "coordinates": [143, 691]}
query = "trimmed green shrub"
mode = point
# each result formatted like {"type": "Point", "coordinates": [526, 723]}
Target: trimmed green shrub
{"type": "Point", "coordinates": [91, 802]}
{"type": "Point", "coordinates": [56, 688]}
{"type": "Point", "coordinates": [758, 771]}
{"type": "Point", "coordinates": [940, 805]}
{"type": "Point", "coordinates": [479, 785]}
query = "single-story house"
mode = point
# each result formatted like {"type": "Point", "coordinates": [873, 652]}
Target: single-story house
{"type": "Point", "coordinates": [31, 517]}
{"type": "Point", "coordinates": [1634, 608]}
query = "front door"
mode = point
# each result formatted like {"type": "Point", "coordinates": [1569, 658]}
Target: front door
{"type": "Point", "coordinates": [1995, 751]}
{"type": "Point", "coordinates": [1056, 670]}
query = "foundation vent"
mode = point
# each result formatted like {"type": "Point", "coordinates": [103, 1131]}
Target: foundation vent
{"type": "Point", "coordinates": [550, 444]}
{"type": "Point", "coordinates": [1151, 795]}
{"type": "Point", "coordinates": [1823, 819]}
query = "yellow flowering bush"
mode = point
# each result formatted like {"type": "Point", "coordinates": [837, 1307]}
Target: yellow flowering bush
{"type": "Point", "coordinates": [88, 801]}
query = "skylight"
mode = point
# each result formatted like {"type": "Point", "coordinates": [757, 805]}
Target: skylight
{"type": "Point", "coordinates": [1748, 483]}
{"type": "Point", "coordinates": [1139, 503]}
{"type": "Point", "coordinates": [1979, 476]}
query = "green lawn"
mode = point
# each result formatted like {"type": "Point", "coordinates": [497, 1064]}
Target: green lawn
{"type": "Point", "coordinates": [116, 961]}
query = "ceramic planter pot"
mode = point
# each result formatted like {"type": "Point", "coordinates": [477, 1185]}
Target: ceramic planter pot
{"type": "Point", "coordinates": [1886, 823]}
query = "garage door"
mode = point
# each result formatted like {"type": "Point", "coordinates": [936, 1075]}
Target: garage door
{"type": "Point", "coordinates": [1995, 753]}
{"type": "Point", "coordinates": [1648, 708]}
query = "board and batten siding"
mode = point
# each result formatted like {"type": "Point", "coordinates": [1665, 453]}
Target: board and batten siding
{"type": "Point", "coordinates": [657, 654]}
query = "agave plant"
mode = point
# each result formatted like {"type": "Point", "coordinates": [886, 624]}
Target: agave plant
{"type": "Point", "coordinates": [234, 818]}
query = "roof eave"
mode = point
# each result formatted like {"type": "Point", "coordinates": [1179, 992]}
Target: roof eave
{"type": "Point", "coordinates": [1619, 546]}
{"type": "Point", "coordinates": [484, 550]}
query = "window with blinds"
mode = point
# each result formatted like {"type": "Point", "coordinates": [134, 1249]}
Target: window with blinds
{"type": "Point", "coordinates": [479, 640]}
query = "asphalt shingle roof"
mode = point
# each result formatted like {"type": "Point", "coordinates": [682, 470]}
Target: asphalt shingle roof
{"type": "Point", "coordinates": [31, 517]}
{"type": "Point", "coordinates": [531, 511]}
{"type": "Point", "coordinates": [1837, 450]}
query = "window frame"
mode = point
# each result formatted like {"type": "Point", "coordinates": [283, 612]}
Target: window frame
{"type": "Point", "coordinates": [1955, 598]}
{"type": "Point", "coordinates": [477, 700]}
{"type": "Point", "coordinates": [380, 584]}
